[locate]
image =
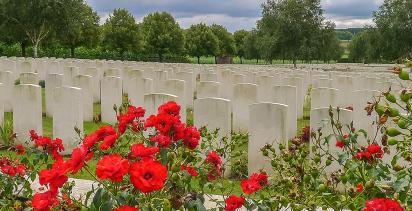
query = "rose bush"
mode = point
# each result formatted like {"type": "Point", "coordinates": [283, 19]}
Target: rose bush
{"type": "Point", "coordinates": [160, 163]}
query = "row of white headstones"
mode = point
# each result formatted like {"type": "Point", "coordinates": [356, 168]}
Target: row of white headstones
{"type": "Point", "coordinates": [265, 101]}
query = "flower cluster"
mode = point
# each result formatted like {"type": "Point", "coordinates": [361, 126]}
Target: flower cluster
{"type": "Point", "coordinates": [139, 166]}
{"type": "Point", "coordinates": [378, 204]}
{"type": "Point", "coordinates": [213, 164]}
{"type": "Point", "coordinates": [12, 168]}
{"type": "Point", "coordinates": [53, 147]}
{"type": "Point", "coordinates": [373, 151]}
{"type": "Point", "coordinates": [254, 183]}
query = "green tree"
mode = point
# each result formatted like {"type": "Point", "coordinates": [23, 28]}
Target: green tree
{"type": "Point", "coordinates": [200, 41]}
{"type": "Point", "coordinates": [394, 23]}
{"type": "Point", "coordinates": [79, 26]}
{"type": "Point", "coordinates": [290, 25]}
{"type": "Point", "coordinates": [162, 34]}
{"type": "Point", "coordinates": [121, 32]}
{"type": "Point", "coordinates": [240, 37]}
{"type": "Point", "coordinates": [226, 42]}
{"type": "Point", "coordinates": [344, 35]}
{"type": "Point", "coordinates": [34, 18]}
{"type": "Point", "coordinates": [328, 45]}
{"type": "Point", "coordinates": [252, 48]}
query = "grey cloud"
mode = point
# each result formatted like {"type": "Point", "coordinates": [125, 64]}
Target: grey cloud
{"type": "Point", "coordinates": [234, 14]}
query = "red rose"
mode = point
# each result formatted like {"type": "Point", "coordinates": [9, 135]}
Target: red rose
{"type": "Point", "coordinates": [213, 158]}
{"type": "Point", "coordinates": [140, 151]}
{"type": "Point", "coordinates": [90, 140]}
{"type": "Point", "coordinates": [112, 167]}
{"type": "Point", "coordinates": [148, 175]}
{"type": "Point", "coordinates": [20, 150]}
{"type": "Point", "coordinates": [250, 186]}
{"type": "Point", "coordinates": [55, 177]}
{"type": "Point", "coordinates": [33, 135]}
{"type": "Point", "coordinates": [161, 140]}
{"type": "Point", "coordinates": [262, 178]}
{"type": "Point", "coordinates": [137, 112]}
{"type": "Point", "coordinates": [191, 137]}
{"type": "Point", "coordinates": [44, 201]}
{"type": "Point", "coordinates": [359, 188]}
{"type": "Point", "coordinates": [108, 142]}
{"type": "Point", "coordinates": [171, 108]}
{"type": "Point", "coordinates": [9, 170]}
{"type": "Point", "coordinates": [233, 202]}
{"type": "Point", "coordinates": [79, 157]}
{"type": "Point", "coordinates": [126, 208]}
{"type": "Point", "coordinates": [192, 171]}
{"type": "Point", "coordinates": [375, 149]}
{"type": "Point", "coordinates": [340, 144]}
{"type": "Point", "coordinates": [381, 204]}
{"type": "Point", "coordinates": [21, 169]}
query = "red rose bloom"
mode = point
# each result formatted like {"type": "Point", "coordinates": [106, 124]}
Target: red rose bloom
{"type": "Point", "coordinates": [213, 158]}
{"type": "Point", "coordinates": [233, 203]}
{"type": "Point", "coordinates": [137, 112]}
{"type": "Point", "coordinates": [140, 151]}
{"type": "Point", "coordinates": [148, 175]}
{"type": "Point", "coordinates": [54, 177]}
{"type": "Point", "coordinates": [359, 188]}
{"type": "Point", "coordinates": [171, 108]}
{"type": "Point", "coordinates": [9, 170]}
{"type": "Point", "coordinates": [44, 201]}
{"type": "Point", "coordinates": [112, 167]}
{"type": "Point", "coordinates": [108, 141]}
{"type": "Point", "coordinates": [381, 204]}
{"type": "Point", "coordinates": [126, 208]}
{"type": "Point", "coordinates": [340, 144]}
{"type": "Point", "coordinates": [192, 171]}
{"type": "Point", "coordinates": [191, 137]}
{"type": "Point", "coordinates": [375, 149]}
{"type": "Point", "coordinates": [262, 178]}
{"type": "Point", "coordinates": [20, 150]}
{"type": "Point", "coordinates": [79, 157]}
{"type": "Point", "coordinates": [161, 140]}
{"type": "Point", "coordinates": [250, 186]}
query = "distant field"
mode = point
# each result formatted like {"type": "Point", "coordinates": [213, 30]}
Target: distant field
{"type": "Point", "coordinates": [345, 45]}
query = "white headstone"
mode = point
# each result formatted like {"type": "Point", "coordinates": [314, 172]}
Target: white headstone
{"type": "Point", "coordinates": [287, 95]}
{"type": "Point", "coordinates": [111, 95]}
{"type": "Point", "coordinates": [268, 125]}
{"type": "Point", "coordinates": [6, 78]}
{"type": "Point", "coordinates": [85, 83]}
{"type": "Point", "coordinates": [243, 95]}
{"type": "Point", "coordinates": [177, 88]}
{"type": "Point", "coordinates": [323, 97]}
{"type": "Point", "coordinates": [29, 78]}
{"type": "Point", "coordinates": [138, 87]}
{"type": "Point", "coordinates": [189, 79]}
{"type": "Point", "coordinates": [298, 83]}
{"type": "Point", "coordinates": [208, 89]}
{"type": "Point", "coordinates": [67, 115]}
{"type": "Point", "coordinates": [27, 111]}
{"type": "Point", "coordinates": [53, 80]}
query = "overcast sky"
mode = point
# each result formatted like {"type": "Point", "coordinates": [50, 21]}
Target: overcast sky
{"type": "Point", "coordinates": [234, 14]}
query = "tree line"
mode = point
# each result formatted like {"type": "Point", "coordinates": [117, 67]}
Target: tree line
{"type": "Point", "coordinates": [390, 39]}
{"type": "Point", "coordinates": [288, 30]}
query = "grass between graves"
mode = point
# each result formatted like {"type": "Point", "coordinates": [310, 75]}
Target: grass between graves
{"type": "Point", "coordinates": [91, 126]}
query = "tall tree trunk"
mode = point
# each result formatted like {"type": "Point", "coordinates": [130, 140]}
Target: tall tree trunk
{"type": "Point", "coordinates": [35, 49]}
{"type": "Point", "coordinates": [198, 59]}
{"type": "Point", "coordinates": [23, 48]}
{"type": "Point", "coordinates": [72, 48]}
{"type": "Point", "coordinates": [241, 60]}
{"type": "Point", "coordinates": [257, 61]}
{"type": "Point", "coordinates": [215, 59]}
{"type": "Point", "coordinates": [294, 63]}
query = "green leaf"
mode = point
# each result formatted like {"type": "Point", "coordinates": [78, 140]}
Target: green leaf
{"type": "Point", "coordinates": [401, 183]}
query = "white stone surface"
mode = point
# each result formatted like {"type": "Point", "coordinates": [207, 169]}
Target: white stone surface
{"type": "Point", "coordinates": [323, 97]}
{"type": "Point", "coordinates": [27, 111]}
{"type": "Point", "coordinates": [67, 115]}
{"type": "Point", "coordinates": [85, 83]}
{"type": "Point", "coordinates": [177, 88]}
{"type": "Point", "coordinates": [265, 84]}
{"type": "Point", "coordinates": [298, 83]}
{"type": "Point", "coordinates": [111, 95]}
{"type": "Point", "coordinates": [68, 75]}
{"type": "Point", "coordinates": [53, 80]}
{"type": "Point", "coordinates": [6, 79]}
{"type": "Point", "coordinates": [287, 95]}
{"type": "Point", "coordinates": [189, 79]}
{"type": "Point", "coordinates": [138, 87]}
{"type": "Point", "coordinates": [206, 89]}
{"type": "Point", "coordinates": [267, 125]}
{"type": "Point", "coordinates": [244, 94]}
{"type": "Point", "coordinates": [29, 78]}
